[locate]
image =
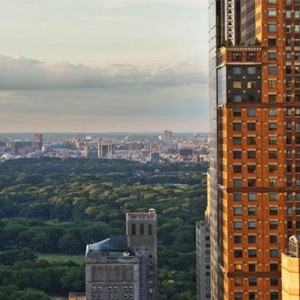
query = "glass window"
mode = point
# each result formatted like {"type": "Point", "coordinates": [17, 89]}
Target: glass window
{"type": "Point", "coordinates": [273, 196]}
{"type": "Point", "coordinates": [237, 224]}
{"type": "Point", "coordinates": [272, 126]}
{"type": "Point", "coordinates": [251, 84]}
{"type": "Point", "coordinates": [251, 154]}
{"type": "Point", "coordinates": [288, 14]}
{"type": "Point", "coordinates": [252, 281]}
{"type": "Point", "coordinates": [252, 252]}
{"type": "Point", "coordinates": [236, 56]}
{"type": "Point", "coordinates": [273, 252]}
{"type": "Point", "coordinates": [273, 210]}
{"type": "Point", "coordinates": [272, 13]}
{"type": "Point", "coordinates": [237, 182]}
{"type": "Point", "coordinates": [273, 154]}
{"type": "Point", "coordinates": [237, 196]}
{"type": "Point", "coordinates": [252, 197]}
{"type": "Point", "coordinates": [237, 168]}
{"type": "Point", "coordinates": [288, 55]}
{"type": "Point", "coordinates": [237, 140]}
{"type": "Point", "coordinates": [237, 211]}
{"type": "Point", "coordinates": [251, 70]}
{"type": "Point", "coordinates": [238, 296]}
{"type": "Point", "coordinates": [251, 112]}
{"type": "Point", "coordinates": [238, 253]}
{"type": "Point", "coordinates": [252, 225]}
{"type": "Point", "coordinates": [273, 239]}
{"type": "Point", "coordinates": [150, 230]}
{"type": "Point", "coordinates": [272, 70]}
{"type": "Point", "coordinates": [251, 126]}
{"type": "Point", "coordinates": [238, 267]}
{"type": "Point", "coordinates": [237, 84]}
{"type": "Point", "coordinates": [133, 229]}
{"type": "Point", "coordinates": [251, 168]}
{"type": "Point", "coordinates": [237, 112]}
{"type": "Point", "coordinates": [251, 182]}
{"type": "Point", "coordinates": [272, 83]}
{"type": "Point", "coordinates": [272, 27]}
{"type": "Point", "coordinates": [272, 112]}
{"type": "Point", "coordinates": [273, 168]}
{"type": "Point", "coordinates": [272, 55]}
{"type": "Point", "coordinates": [272, 182]}
{"type": "Point", "coordinates": [238, 281]}
{"type": "Point", "coordinates": [273, 224]}
{"type": "Point", "coordinates": [272, 98]}
{"type": "Point", "coordinates": [237, 154]}
{"type": "Point", "coordinates": [142, 229]}
{"type": "Point", "coordinates": [252, 267]}
{"type": "Point", "coordinates": [237, 70]}
{"type": "Point", "coordinates": [273, 267]}
{"type": "Point", "coordinates": [251, 239]}
{"type": "Point", "coordinates": [237, 126]}
{"type": "Point", "coordinates": [272, 140]}
{"type": "Point", "coordinates": [272, 42]}
{"type": "Point", "coordinates": [237, 239]}
{"type": "Point", "coordinates": [252, 211]}
{"type": "Point", "coordinates": [251, 56]}
{"type": "Point", "coordinates": [274, 295]}
{"type": "Point", "coordinates": [251, 140]}
{"type": "Point", "coordinates": [237, 98]}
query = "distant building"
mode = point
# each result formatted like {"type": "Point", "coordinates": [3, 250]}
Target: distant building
{"type": "Point", "coordinates": [20, 148]}
{"type": "Point", "coordinates": [154, 157]}
{"type": "Point", "coordinates": [104, 150]}
{"type": "Point", "coordinates": [186, 152]}
{"type": "Point", "coordinates": [167, 135]}
{"type": "Point", "coordinates": [290, 270]}
{"type": "Point", "coordinates": [77, 296]}
{"type": "Point", "coordinates": [203, 260]}
{"type": "Point", "coordinates": [37, 141]}
{"type": "Point", "coordinates": [203, 253]}
{"type": "Point", "coordinates": [125, 267]}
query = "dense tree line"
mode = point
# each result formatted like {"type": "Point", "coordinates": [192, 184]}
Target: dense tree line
{"type": "Point", "coordinates": [59, 206]}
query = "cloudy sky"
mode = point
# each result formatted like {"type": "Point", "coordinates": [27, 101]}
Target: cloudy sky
{"type": "Point", "coordinates": [103, 65]}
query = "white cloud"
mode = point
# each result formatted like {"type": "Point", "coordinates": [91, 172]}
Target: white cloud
{"type": "Point", "coordinates": [18, 73]}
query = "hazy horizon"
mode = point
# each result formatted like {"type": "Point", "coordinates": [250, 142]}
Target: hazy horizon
{"type": "Point", "coordinates": [104, 66]}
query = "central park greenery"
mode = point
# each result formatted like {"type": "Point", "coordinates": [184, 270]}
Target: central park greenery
{"type": "Point", "coordinates": [55, 206]}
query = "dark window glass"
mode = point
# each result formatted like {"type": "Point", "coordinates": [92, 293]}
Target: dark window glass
{"type": "Point", "coordinates": [273, 267]}
{"type": "Point", "coordinates": [251, 154]}
{"type": "Point", "coordinates": [237, 154]}
{"type": "Point", "coordinates": [251, 126]}
{"type": "Point", "coordinates": [273, 239]}
{"type": "Point", "coordinates": [251, 239]}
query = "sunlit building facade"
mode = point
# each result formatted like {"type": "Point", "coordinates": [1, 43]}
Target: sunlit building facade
{"type": "Point", "coordinates": [255, 144]}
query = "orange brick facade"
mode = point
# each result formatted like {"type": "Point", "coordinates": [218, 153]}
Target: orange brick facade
{"type": "Point", "coordinates": [258, 148]}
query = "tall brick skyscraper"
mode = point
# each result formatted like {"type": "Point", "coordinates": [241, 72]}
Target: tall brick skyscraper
{"type": "Point", "coordinates": [255, 144]}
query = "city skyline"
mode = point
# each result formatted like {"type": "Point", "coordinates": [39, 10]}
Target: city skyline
{"type": "Point", "coordinates": [104, 66]}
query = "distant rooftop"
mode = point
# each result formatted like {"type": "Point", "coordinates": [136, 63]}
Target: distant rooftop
{"type": "Point", "coordinates": [114, 243]}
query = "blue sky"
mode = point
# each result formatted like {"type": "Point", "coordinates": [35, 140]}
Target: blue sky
{"type": "Point", "coordinates": [103, 65]}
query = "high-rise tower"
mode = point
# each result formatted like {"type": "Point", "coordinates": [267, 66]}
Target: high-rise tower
{"type": "Point", "coordinates": [255, 144]}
